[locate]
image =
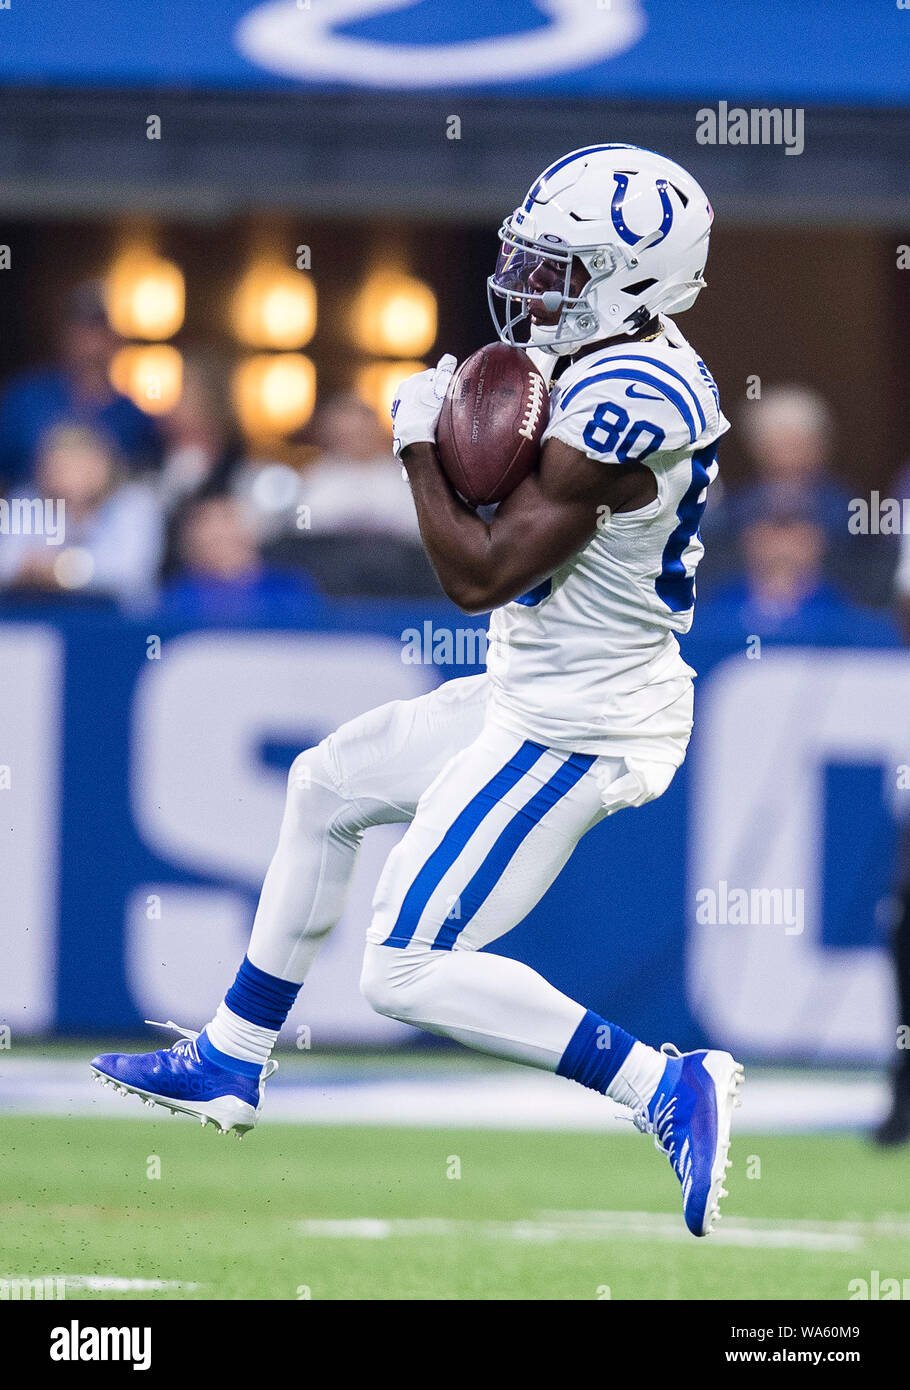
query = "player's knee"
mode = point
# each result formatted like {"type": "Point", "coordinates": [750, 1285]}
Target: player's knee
{"type": "Point", "coordinates": [309, 769]}
{"type": "Point", "coordinates": [376, 983]}
{"type": "Point", "coordinates": [314, 801]}
{"type": "Point", "coordinates": [386, 985]}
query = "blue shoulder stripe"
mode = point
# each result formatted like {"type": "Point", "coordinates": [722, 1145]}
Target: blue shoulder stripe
{"type": "Point", "coordinates": [629, 356]}
{"type": "Point", "coordinates": [628, 374]}
{"type": "Point", "coordinates": [671, 371]}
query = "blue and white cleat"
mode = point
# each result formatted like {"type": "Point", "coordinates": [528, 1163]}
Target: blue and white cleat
{"type": "Point", "coordinates": [690, 1115]}
{"type": "Point", "coordinates": [186, 1079]}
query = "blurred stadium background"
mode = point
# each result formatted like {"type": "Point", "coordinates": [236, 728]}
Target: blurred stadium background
{"type": "Point", "coordinates": [226, 232]}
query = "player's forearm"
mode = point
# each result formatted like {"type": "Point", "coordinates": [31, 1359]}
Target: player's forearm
{"type": "Point", "coordinates": [457, 540]}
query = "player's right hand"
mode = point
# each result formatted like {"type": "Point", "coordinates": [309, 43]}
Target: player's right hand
{"type": "Point", "coordinates": [418, 402]}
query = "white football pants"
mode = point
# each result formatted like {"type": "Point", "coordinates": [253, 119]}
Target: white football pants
{"type": "Point", "coordinates": [493, 820]}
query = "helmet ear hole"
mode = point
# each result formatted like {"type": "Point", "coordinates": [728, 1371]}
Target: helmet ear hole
{"type": "Point", "coordinates": [640, 286]}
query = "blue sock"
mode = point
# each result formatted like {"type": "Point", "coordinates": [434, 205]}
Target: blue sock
{"type": "Point", "coordinates": [260, 998]}
{"type": "Point", "coordinates": [595, 1053]}
{"type": "Point", "coordinates": [247, 1023]}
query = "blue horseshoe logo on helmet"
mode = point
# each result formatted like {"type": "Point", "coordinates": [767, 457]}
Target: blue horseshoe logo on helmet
{"type": "Point", "coordinates": [630, 238]}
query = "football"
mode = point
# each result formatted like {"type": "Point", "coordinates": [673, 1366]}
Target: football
{"type": "Point", "coordinates": [493, 418]}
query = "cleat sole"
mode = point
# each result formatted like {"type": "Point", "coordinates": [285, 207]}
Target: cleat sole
{"type": "Point", "coordinates": [227, 1113]}
{"type": "Point", "coordinates": [728, 1076]}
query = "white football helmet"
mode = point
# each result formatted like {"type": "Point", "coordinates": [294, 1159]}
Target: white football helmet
{"type": "Point", "coordinates": [636, 223]}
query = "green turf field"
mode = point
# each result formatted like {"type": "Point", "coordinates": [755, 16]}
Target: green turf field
{"type": "Point", "coordinates": [523, 1221]}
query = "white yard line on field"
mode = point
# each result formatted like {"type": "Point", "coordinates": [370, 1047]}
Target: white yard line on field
{"type": "Point", "coordinates": [549, 1226]}
{"type": "Point", "coordinates": [96, 1283]}
{"type": "Point", "coordinates": [513, 1098]}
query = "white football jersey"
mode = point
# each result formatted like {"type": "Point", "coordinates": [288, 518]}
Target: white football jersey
{"type": "Point", "coordinates": [588, 659]}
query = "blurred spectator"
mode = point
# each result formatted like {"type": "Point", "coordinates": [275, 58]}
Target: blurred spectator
{"type": "Point", "coordinates": [201, 447]}
{"type": "Point", "coordinates": [221, 573]}
{"type": "Point", "coordinates": [789, 433]}
{"type": "Point", "coordinates": [895, 1126]}
{"type": "Point", "coordinates": [205, 455]}
{"type": "Point", "coordinates": [75, 390]}
{"type": "Point", "coordinates": [901, 491]}
{"type": "Point", "coordinates": [902, 585]}
{"type": "Point", "coordinates": [90, 530]}
{"type": "Point", "coordinates": [356, 484]}
{"type": "Point", "coordinates": [355, 529]}
{"type": "Point", "coordinates": [782, 591]}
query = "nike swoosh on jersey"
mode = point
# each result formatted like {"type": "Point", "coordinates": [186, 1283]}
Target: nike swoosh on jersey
{"type": "Point", "coordinates": [641, 395]}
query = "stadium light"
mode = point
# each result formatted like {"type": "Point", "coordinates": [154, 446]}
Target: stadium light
{"type": "Point", "coordinates": [377, 383]}
{"type": "Point", "coordinates": [274, 393]}
{"type": "Point", "coordinates": [274, 307]}
{"type": "Point", "coordinates": [395, 315]}
{"type": "Point", "coordinates": [146, 296]}
{"type": "Point", "coordinates": [152, 376]}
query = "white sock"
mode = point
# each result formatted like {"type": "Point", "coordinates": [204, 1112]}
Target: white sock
{"type": "Point", "coordinates": [239, 1038]}
{"type": "Point", "coordinates": [638, 1077]}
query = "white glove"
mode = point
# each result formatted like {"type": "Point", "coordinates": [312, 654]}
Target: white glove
{"type": "Point", "coordinates": [418, 402]}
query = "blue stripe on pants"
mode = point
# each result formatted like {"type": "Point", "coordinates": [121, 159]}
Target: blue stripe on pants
{"type": "Point", "coordinates": [517, 830]}
{"type": "Point", "coordinates": [455, 839]}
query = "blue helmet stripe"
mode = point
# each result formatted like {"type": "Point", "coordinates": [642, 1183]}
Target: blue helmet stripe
{"type": "Point", "coordinates": [561, 164]}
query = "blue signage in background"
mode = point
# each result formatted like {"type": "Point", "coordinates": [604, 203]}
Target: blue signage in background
{"type": "Point", "coordinates": [756, 50]}
{"type": "Point", "coordinates": [146, 764]}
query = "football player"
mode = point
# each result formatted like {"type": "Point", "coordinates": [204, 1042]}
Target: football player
{"type": "Point", "coordinates": [586, 706]}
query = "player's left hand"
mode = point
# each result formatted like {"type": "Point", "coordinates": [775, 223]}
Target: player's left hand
{"type": "Point", "coordinates": [418, 402]}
